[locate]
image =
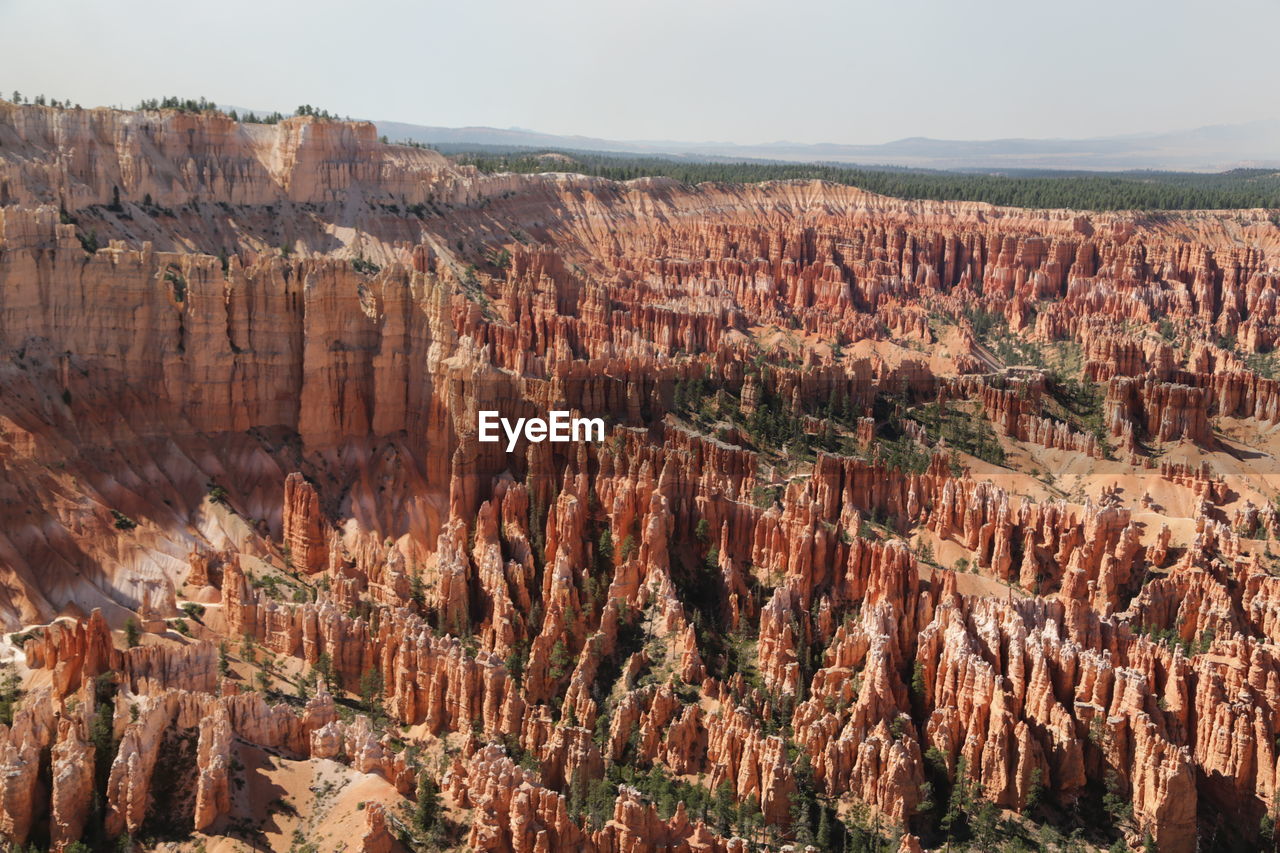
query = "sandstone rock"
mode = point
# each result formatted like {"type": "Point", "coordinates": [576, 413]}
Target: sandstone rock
{"type": "Point", "coordinates": [172, 385]}
{"type": "Point", "coordinates": [304, 533]}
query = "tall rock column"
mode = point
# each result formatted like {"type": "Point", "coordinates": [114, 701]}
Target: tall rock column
{"type": "Point", "coordinates": [304, 525]}
{"type": "Point", "coordinates": [73, 767]}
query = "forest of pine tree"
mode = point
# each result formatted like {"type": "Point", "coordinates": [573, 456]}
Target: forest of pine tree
{"type": "Point", "coordinates": [1136, 190]}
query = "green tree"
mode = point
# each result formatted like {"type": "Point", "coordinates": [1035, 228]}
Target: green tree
{"type": "Point", "coordinates": [560, 660]}
{"type": "Point", "coordinates": [1142, 190]}
{"type": "Point", "coordinates": [986, 826]}
{"type": "Point", "coordinates": [955, 820]}
{"type": "Point", "coordinates": [10, 693]}
{"type": "Point", "coordinates": [917, 681]}
{"type": "Point", "coordinates": [804, 802]}
{"type": "Point", "coordinates": [132, 636]}
{"type": "Point", "coordinates": [601, 795]}
{"type": "Point", "coordinates": [102, 732]}
{"type": "Point", "coordinates": [723, 809]}
{"type": "Point", "coordinates": [750, 819]}
{"type": "Point", "coordinates": [824, 837]}
{"type": "Point", "coordinates": [417, 591]}
{"type": "Point", "coordinates": [1115, 801]}
{"type": "Point", "coordinates": [1267, 832]}
{"type": "Point", "coordinates": [248, 649]}
{"type": "Point", "coordinates": [1035, 792]}
{"type": "Point", "coordinates": [323, 669]}
{"type": "Point", "coordinates": [515, 662]}
{"type": "Point", "coordinates": [426, 810]}
{"type": "Point", "coordinates": [371, 692]}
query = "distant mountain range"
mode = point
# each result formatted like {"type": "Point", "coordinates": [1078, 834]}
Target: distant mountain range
{"type": "Point", "coordinates": [1212, 148]}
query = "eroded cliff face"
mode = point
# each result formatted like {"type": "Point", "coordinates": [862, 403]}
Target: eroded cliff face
{"type": "Point", "coordinates": [910, 515]}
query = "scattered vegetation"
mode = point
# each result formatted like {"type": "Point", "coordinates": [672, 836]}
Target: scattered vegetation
{"type": "Point", "coordinates": [1134, 190]}
{"type": "Point", "coordinates": [41, 101]}
{"type": "Point", "coordinates": [1081, 403]}
{"type": "Point", "coordinates": [182, 105]}
{"type": "Point", "coordinates": [177, 281]}
{"type": "Point", "coordinates": [203, 105]}
{"type": "Point", "coordinates": [121, 521]}
{"type": "Point", "coordinates": [88, 241]}
{"type": "Point", "coordinates": [428, 810]}
{"type": "Point", "coordinates": [218, 495]}
{"type": "Point", "coordinates": [365, 267]}
{"type": "Point", "coordinates": [224, 659]}
{"type": "Point", "coordinates": [10, 692]}
{"type": "Point", "coordinates": [961, 427]}
{"type": "Point", "coordinates": [105, 745]}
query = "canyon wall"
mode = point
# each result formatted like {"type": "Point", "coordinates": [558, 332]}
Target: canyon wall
{"type": "Point", "coordinates": [902, 504]}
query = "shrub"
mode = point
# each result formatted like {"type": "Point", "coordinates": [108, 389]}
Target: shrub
{"type": "Point", "coordinates": [132, 635]}
{"type": "Point", "coordinates": [365, 267]}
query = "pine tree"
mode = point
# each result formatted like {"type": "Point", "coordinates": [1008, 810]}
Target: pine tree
{"type": "Point", "coordinates": [324, 669]}
{"type": "Point", "coordinates": [371, 692]}
{"type": "Point", "coordinates": [723, 811]}
{"type": "Point", "coordinates": [426, 811]}
{"type": "Point", "coordinates": [131, 633]}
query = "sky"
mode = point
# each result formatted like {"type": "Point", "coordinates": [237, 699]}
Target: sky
{"type": "Point", "coordinates": [691, 70]}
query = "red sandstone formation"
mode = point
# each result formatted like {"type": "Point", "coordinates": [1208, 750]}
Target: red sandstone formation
{"type": "Point", "coordinates": [304, 526]}
{"type": "Point", "coordinates": [742, 615]}
{"type": "Point", "coordinates": [1161, 410]}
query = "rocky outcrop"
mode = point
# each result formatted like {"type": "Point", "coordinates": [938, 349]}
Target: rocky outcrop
{"type": "Point", "coordinates": [816, 406]}
{"type": "Point", "coordinates": [515, 813]}
{"type": "Point", "coordinates": [213, 763]}
{"type": "Point", "coordinates": [73, 785]}
{"type": "Point", "coordinates": [1057, 435]}
{"type": "Point", "coordinates": [377, 837]}
{"type": "Point", "coordinates": [304, 533]}
{"type": "Point", "coordinates": [1163, 411]}
{"type": "Point", "coordinates": [22, 793]}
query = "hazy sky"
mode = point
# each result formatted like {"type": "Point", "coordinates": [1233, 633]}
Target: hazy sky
{"type": "Point", "coordinates": [693, 70]}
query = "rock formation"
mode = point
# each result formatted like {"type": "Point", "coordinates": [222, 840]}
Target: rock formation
{"type": "Point", "coordinates": [901, 504]}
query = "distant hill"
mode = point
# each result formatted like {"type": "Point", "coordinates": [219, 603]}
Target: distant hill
{"type": "Point", "coordinates": [1214, 148]}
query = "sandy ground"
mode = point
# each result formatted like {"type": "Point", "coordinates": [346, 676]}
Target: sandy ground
{"type": "Point", "coordinates": [295, 803]}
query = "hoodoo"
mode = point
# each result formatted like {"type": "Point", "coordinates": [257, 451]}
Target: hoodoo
{"type": "Point", "coordinates": [354, 498]}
